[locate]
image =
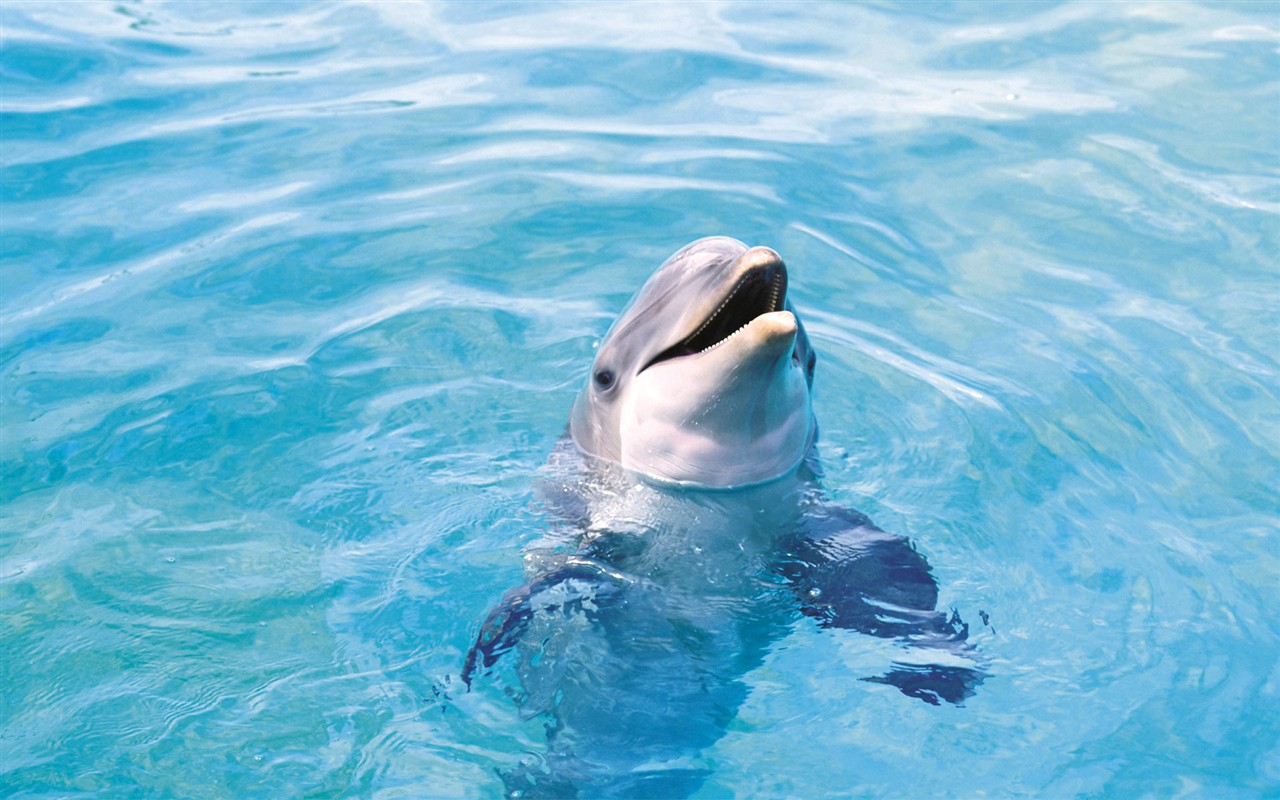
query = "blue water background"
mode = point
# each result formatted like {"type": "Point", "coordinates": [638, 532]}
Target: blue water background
{"type": "Point", "coordinates": [296, 297]}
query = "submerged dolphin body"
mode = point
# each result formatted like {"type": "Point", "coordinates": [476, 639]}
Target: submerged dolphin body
{"type": "Point", "coordinates": [656, 590]}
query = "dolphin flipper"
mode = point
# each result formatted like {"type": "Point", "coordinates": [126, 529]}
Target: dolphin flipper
{"type": "Point", "coordinates": [847, 573]}
{"type": "Point", "coordinates": [577, 583]}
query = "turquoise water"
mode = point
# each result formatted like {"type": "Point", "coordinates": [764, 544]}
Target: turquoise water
{"type": "Point", "coordinates": [296, 298]}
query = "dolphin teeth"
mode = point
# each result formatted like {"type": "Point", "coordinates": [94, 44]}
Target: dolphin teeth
{"type": "Point", "coordinates": [725, 339]}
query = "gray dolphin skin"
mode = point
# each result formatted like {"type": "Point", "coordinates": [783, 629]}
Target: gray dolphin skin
{"type": "Point", "coordinates": [687, 534]}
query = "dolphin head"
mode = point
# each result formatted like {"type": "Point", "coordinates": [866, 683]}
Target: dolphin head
{"type": "Point", "coordinates": [705, 377]}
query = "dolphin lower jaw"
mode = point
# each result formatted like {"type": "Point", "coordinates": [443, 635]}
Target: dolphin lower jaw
{"type": "Point", "coordinates": [733, 415]}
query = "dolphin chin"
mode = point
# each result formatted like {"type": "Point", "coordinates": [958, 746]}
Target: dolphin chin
{"type": "Point", "coordinates": [704, 379]}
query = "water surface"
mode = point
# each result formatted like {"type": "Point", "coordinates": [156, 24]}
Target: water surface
{"type": "Point", "coordinates": [294, 300]}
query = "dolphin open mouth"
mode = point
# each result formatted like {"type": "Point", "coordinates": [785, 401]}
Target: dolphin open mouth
{"type": "Point", "coordinates": [762, 289]}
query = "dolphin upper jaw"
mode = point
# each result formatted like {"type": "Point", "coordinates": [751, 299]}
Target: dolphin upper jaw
{"type": "Point", "coordinates": [752, 284]}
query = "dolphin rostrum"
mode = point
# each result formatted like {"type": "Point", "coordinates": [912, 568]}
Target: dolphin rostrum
{"type": "Point", "coordinates": [657, 589]}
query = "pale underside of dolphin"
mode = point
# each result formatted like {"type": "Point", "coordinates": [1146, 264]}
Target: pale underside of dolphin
{"type": "Point", "coordinates": [687, 513]}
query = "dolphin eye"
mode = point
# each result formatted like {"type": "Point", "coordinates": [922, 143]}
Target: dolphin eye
{"type": "Point", "coordinates": [604, 378]}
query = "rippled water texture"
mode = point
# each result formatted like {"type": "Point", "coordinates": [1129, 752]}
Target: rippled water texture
{"type": "Point", "coordinates": [296, 298]}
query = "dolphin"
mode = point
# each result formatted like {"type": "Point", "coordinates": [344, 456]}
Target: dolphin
{"type": "Point", "coordinates": [689, 533]}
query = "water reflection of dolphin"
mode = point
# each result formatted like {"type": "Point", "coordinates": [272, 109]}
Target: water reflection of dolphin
{"type": "Point", "coordinates": [658, 589]}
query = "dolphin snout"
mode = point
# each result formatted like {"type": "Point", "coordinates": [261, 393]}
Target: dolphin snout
{"type": "Point", "coordinates": [762, 258]}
